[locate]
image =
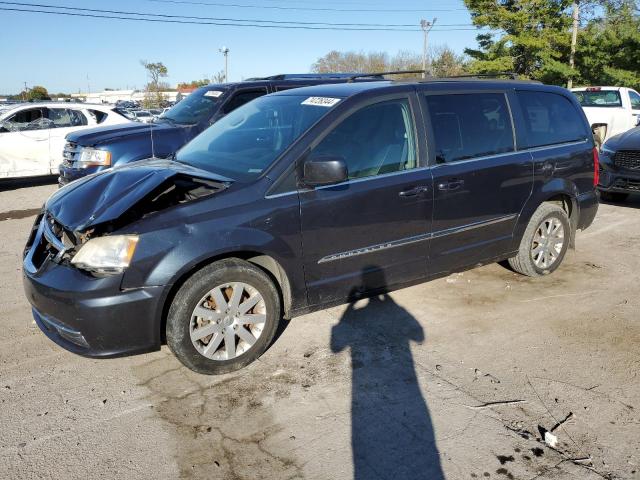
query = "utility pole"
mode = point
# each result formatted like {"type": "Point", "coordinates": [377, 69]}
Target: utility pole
{"type": "Point", "coordinates": [26, 92]}
{"type": "Point", "coordinates": [574, 40]}
{"type": "Point", "coordinates": [426, 28]}
{"type": "Point", "coordinates": [225, 52]}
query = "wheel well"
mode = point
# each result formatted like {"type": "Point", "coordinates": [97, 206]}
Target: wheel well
{"type": "Point", "coordinates": [265, 262]}
{"type": "Point", "coordinates": [568, 205]}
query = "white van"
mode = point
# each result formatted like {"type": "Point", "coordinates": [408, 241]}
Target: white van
{"type": "Point", "coordinates": [32, 135]}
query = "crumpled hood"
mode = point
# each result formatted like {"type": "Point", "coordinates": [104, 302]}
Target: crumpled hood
{"type": "Point", "coordinates": [629, 140]}
{"type": "Point", "coordinates": [107, 195]}
{"type": "Point", "coordinates": [98, 135]}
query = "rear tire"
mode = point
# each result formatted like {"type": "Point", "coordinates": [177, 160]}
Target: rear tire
{"type": "Point", "coordinates": [614, 197]}
{"type": "Point", "coordinates": [223, 317]}
{"type": "Point", "coordinates": [544, 243]}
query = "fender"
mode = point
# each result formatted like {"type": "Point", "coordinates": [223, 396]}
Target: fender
{"type": "Point", "coordinates": [554, 188]}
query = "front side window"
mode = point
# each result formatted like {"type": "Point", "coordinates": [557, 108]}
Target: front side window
{"type": "Point", "coordinates": [240, 98]}
{"type": "Point", "coordinates": [199, 106]}
{"type": "Point", "coordinates": [550, 119]}
{"type": "Point", "coordinates": [375, 140]}
{"type": "Point", "coordinates": [635, 100]}
{"type": "Point", "coordinates": [467, 126]}
{"type": "Point", "coordinates": [244, 143]}
{"type": "Point", "coordinates": [24, 120]}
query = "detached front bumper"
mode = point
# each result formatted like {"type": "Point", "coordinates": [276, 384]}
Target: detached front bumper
{"type": "Point", "coordinates": [90, 316]}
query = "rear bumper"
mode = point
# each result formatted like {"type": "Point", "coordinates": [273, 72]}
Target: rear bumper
{"type": "Point", "coordinates": [588, 207]}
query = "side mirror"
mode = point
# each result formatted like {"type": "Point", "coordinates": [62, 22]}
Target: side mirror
{"type": "Point", "coordinates": [324, 170]}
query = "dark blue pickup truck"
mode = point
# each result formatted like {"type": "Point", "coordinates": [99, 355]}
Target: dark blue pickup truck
{"type": "Point", "coordinates": [91, 151]}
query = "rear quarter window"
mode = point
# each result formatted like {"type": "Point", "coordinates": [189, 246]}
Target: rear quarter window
{"type": "Point", "coordinates": [550, 119]}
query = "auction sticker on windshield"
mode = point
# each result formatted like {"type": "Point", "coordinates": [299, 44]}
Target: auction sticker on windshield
{"type": "Point", "coordinates": [213, 93]}
{"type": "Point", "coordinates": [321, 101]}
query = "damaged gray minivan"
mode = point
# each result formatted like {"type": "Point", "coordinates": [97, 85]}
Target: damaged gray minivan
{"type": "Point", "coordinates": [280, 207]}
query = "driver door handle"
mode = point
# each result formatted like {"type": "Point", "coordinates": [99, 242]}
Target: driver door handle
{"type": "Point", "coordinates": [412, 192]}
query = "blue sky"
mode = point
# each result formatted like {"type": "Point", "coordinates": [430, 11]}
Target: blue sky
{"type": "Point", "coordinates": [60, 52]}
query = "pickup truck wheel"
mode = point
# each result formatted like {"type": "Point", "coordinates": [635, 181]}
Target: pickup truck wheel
{"type": "Point", "coordinates": [615, 197]}
{"type": "Point", "coordinates": [544, 243]}
{"type": "Point", "coordinates": [223, 317]}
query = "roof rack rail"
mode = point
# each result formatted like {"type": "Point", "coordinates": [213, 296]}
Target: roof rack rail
{"type": "Point", "coordinates": [307, 76]}
{"type": "Point", "coordinates": [511, 75]}
{"type": "Point", "coordinates": [380, 74]}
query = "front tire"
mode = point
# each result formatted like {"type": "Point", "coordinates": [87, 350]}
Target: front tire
{"type": "Point", "coordinates": [223, 317]}
{"type": "Point", "coordinates": [544, 243]}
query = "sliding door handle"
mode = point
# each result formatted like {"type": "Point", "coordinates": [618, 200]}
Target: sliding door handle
{"type": "Point", "coordinates": [452, 184]}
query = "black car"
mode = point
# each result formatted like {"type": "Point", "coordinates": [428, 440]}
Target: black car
{"type": "Point", "coordinates": [620, 166]}
{"type": "Point", "coordinates": [305, 199]}
{"type": "Point", "coordinates": [96, 149]}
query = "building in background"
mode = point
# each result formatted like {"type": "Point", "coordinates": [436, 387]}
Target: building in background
{"type": "Point", "coordinates": [113, 96]}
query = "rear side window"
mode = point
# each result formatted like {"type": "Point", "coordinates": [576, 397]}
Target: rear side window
{"type": "Point", "coordinates": [470, 125]}
{"type": "Point", "coordinates": [98, 115]}
{"type": "Point", "coordinates": [550, 119]}
{"type": "Point", "coordinates": [635, 100]}
{"type": "Point", "coordinates": [240, 98]}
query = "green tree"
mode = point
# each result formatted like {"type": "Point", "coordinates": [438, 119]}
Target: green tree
{"type": "Point", "coordinates": [608, 49]}
{"type": "Point", "coordinates": [531, 38]}
{"type": "Point", "coordinates": [156, 71]}
{"type": "Point", "coordinates": [36, 93]}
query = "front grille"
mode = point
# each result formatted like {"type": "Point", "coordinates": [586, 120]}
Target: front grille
{"type": "Point", "coordinates": [48, 240]}
{"type": "Point", "coordinates": [70, 154]}
{"type": "Point", "coordinates": [627, 184]}
{"type": "Point", "coordinates": [627, 159]}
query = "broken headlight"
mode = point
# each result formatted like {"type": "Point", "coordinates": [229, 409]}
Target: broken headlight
{"type": "Point", "coordinates": [92, 157]}
{"type": "Point", "coordinates": [110, 254]}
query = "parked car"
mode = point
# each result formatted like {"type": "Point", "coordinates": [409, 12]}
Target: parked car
{"type": "Point", "coordinates": [305, 199]}
{"type": "Point", "coordinates": [610, 110]}
{"type": "Point", "coordinates": [32, 135]}
{"type": "Point", "coordinates": [143, 116]}
{"type": "Point", "coordinates": [620, 166]}
{"type": "Point", "coordinates": [123, 144]}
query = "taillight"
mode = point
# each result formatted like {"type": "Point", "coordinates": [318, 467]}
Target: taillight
{"type": "Point", "coordinates": [596, 167]}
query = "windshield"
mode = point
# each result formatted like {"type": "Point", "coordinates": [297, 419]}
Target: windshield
{"type": "Point", "coordinates": [198, 106]}
{"type": "Point", "coordinates": [142, 114]}
{"type": "Point", "coordinates": [245, 142]}
{"type": "Point", "coordinates": [599, 98]}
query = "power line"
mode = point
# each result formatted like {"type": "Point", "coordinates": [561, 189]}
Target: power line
{"type": "Point", "coordinates": [226, 24]}
{"type": "Point", "coordinates": [316, 9]}
{"type": "Point", "coordinates": [221, 19]}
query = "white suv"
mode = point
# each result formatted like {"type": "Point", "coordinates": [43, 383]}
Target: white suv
{"type": "Point", "coordinates": [32, 135]}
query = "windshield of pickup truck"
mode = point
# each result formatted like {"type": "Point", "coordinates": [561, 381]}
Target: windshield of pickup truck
{"type": "Point", "coordinates": [245, 142]}
{"type": "Point", "coordinates": [197, 107]}
{"type": "Point", "coordinates": [599, 98]}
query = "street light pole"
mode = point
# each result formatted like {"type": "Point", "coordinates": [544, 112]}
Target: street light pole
{"type": "Point", "coordinates": [426, 28]}
{"type": "Point", "coordinates": [225, 52]}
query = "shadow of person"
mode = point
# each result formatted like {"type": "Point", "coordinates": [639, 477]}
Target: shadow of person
{"type": "Point", "coordinates": [391, 430]}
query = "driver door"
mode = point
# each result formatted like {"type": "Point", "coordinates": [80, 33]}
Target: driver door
{"type": "Point", "coordinates": [375, 225]}
{"type": "Point", "coordinates": [24, 144]}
